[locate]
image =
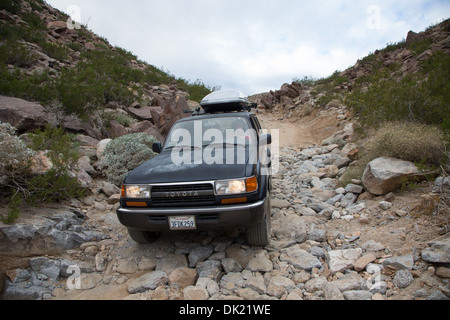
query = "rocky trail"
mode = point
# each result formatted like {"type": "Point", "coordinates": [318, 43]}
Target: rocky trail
{"type": "Point", "coordinates": [328, 243]}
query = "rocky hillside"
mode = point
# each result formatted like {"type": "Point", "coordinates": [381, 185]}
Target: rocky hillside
{"type": "Point", "coordinates": [80, 80]}
{"type": "Point", "coordinates": [406, 81]}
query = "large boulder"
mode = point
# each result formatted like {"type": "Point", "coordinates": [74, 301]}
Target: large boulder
{"type": "Point", "coordinates": [384, 175]}
{"type": "Point", "coordinates": [173, 111]}
{"type": "Point", "coordinates": [22, 114]}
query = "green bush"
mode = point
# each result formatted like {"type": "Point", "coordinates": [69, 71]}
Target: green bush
{"type": "Point", "coordinates": [18, 185]}
{"type": "Point", "coordinates": [16, 157]}
{"type": "Point", "coordinates": [125, 154]}
{"type": "Point", "coordinates": [423, 97]}
{"type": "Point", "coordinates": [12, 6]}
{"type": "Point", "coordinates": [58, 183]}
{"type": "Point", "coordinates": [14, 167]}
{"type": "Point", "coordinates": [62, 151]}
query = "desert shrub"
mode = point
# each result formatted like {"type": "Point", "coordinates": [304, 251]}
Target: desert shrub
{"type": "Point", "coordinates": [421, 97]}
{"type": "Point", "coordinates": [12, 6]}
{"type": "Point", "coordinates": [16, 156]}
{"type": "Point", "coordinates": [18, 185]}
{"type": "Point", "coordinates": [123, 119]}
{"type": "Point", "coordinates": [56, 51]}
{"type": "Point", "coordinates": [16, 162]}
{"type": "Point", "coordinates": [408, 141]}
{"type": "Point", "coordinates": [124, 154]}
{"type": "Point", "coordinates": [62, 150]}
{"type": "Point", "coordinates": [58, 183]}
{"type": "Point", "coordinates": [54, 186]}
{"type": "Point", "coordinates": [17, 54]}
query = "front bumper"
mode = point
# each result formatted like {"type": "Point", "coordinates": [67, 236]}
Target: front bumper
{"type": "Point", "coordinates": [207, 218]}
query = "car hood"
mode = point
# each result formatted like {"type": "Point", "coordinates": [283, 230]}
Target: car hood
{"type": "Point", "coordinates": [162, 169]}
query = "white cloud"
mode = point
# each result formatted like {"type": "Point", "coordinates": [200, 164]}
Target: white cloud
{"type": "Point", "coordinates": [254, 45]}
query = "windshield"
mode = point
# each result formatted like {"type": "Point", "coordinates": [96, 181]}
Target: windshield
{"type": "Point", "coordinates": [205, 132]}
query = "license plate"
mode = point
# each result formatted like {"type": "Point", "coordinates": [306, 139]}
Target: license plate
{"type": "Point", "coordinates": [182, 223]}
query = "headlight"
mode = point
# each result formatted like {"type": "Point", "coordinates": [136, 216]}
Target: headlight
{"type": "Point", "coordinates": [236, 186]}
{"type": "Point", "coordinates": [136, 192]}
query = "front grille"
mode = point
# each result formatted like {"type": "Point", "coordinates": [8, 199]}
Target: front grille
{"type": "Point", "coordinates": [181, 195]}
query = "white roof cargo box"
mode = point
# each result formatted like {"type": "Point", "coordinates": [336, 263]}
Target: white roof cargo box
{"type": "Point", "coordinates": [225, 100]}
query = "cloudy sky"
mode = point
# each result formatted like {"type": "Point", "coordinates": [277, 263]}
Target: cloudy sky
{"type": "Point", "coordinates": [253, 45]}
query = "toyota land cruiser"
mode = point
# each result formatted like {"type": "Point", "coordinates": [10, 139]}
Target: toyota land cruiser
{"type": "Point", "coordinates": [212, 173]}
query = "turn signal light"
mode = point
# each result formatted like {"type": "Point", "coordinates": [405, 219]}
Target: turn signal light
{"type": "Point", "coordinates": [252, 184]}
{"type": "Point", "coordinates": [234, 200]}
{"type": "Point", "coordinates": [136, 204]}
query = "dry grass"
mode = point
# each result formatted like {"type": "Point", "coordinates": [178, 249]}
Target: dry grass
{"type": "Point", "coordinates": [418, 143]}
{"type": "Point", "coordinates": [408, 141]}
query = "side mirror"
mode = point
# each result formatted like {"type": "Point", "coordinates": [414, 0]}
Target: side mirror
{"type": "Point", "coordinates": [157, 147]}
{"type": "Point", "coordinates": [265, 139]}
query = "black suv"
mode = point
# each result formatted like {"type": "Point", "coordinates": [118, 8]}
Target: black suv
{"type": "Point", "coordinates": [213, 173]}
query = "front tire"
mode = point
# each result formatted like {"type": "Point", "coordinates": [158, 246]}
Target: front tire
{"type": "Point", "coordinates": [143, 237]}
{"type": "Point", "coordinates": [259, 234]}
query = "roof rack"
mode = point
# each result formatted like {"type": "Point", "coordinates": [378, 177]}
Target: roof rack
{"type": "Point", "coordinates": [224, 101]}
{"type": "Point", "coordinates": [201, 112]}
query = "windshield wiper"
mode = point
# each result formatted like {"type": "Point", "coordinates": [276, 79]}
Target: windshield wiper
{"type": "Point", "coordinates": [182, 147]}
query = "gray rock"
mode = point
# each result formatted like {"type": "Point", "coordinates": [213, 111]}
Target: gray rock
{"type": "Point", "coordinates": [260, 264]}
{"type": "Point", "coordinates": [385, 205]}
{"type": "Point", "coordinates": [149, 281]}
{"type": "Point", "coordinates": [400, 262]}
{"type": "Point", "coordinates": [437, 295]}
{"type": "Point", "coordinates": [332, 292]}
{"type": "Point", "coordinates": [315, 284]}
{"type": "Point", "coordinates": [231, 265]}
{"type": "Point", "coordinates": [372, 245]}
{"type": "Point", "coordinates": [319, 235]}
{"type": "Point", "coordinates": [109, 189]}
{"type": "Point", "coordinates": [402, 279]}
{"type": "Point", "coordinates": [17, 292]}
{"type": "Point", "coordinates": [354, 188]}
{"type": "Point", "coordinates": [384, 175]}
{"type": "Point", "coordinates": [379, 287]}
{"type": "Point", "coordinates": [300, 258]}
{"type": "Point", "coordinates": [170, 262]}
{"type": "Point", "coordinates": [348, 200]}
{"type": "Point", "coordinates": [256, 283]}
{"type": "Point", "coordinates": [280, 203]}
{"type": "Point", "coordinates": [127, 267]}
{"type": "Point", "coordinates": [209, 269]}
{"type": "Point", "coordinates": [357, 295]}
{"type": "Point", "coordinates": [341, 260]}
{"type": "Point", "coordinates": [200, 254]}
{"type": "Point", "coordinates": [20, 275]}
{"type": "Point", "coordinates": [49, 268]}
{"type": "Point", "coordinates": [283, 282]}
{"type": "Point", "coordinates": [441, 185]}
{"type": "Point", "coordinates": [356, 208]}
{"type": "Point", "coordinates": [232, 280]}
{"type": "Point", "coordinates": [318, 252]}
{"type": "Point", "coordinates": [438, 252]}
{"type": "Point", "coordinates": [351, 281]}
{"type": "Point", "coordinates": [290, 227]}
{"type": "Point", "coordinates": [319, 206]}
